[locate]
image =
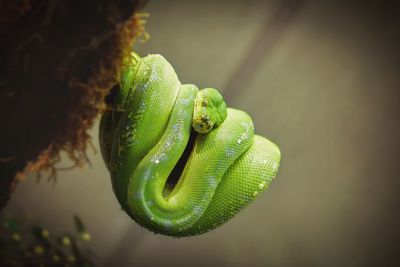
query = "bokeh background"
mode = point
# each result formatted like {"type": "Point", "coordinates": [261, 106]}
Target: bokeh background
{"type": "Point", "coordinates": [320, 79]}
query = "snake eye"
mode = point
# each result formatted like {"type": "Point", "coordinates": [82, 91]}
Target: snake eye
{"type": "Point", "coordinates": [204, 103]}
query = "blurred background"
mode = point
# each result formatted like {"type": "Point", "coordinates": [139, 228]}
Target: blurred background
{"type": "Point", "coordinates": [321, 80]}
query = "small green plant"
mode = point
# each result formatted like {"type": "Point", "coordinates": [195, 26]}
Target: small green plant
{"type": "Point", "coordinates": [34, 245]}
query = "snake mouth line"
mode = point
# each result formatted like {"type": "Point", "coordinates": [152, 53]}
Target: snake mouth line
{"type": "Point", "coordinates": [175, 175]}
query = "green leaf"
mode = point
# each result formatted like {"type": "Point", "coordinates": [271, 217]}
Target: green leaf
{"type": "Point", "coordinates": [85, 236]}
{"type": "Point", "coordinates": [11, 224]}
{"type": "Point", "coordinates": [40, 233]}
{"type": "Point", "coordinates": [80, 227]}
{"type": "Point", "coordinates": [65, 240]}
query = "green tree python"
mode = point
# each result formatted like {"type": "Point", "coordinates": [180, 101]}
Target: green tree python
{"type": "Point", "coordinates": [181, 162]}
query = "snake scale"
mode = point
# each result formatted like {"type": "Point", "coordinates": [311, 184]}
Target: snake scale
{"type": "Point", "coordinates": [181, 162]}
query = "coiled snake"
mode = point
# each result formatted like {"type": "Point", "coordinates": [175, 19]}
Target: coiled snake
{"type": "Point", "coordinates": [181, 163]}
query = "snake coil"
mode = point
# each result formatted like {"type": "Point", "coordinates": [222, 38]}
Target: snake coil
{"type": "Point", "coordinates": [181, 163]}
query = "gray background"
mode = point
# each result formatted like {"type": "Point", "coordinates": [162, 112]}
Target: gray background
{"type": "Point", "coordinates": [321, 80]}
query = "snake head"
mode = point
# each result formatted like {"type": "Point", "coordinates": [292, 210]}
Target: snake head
{"type": "Point", "coordinates": [209, 110]}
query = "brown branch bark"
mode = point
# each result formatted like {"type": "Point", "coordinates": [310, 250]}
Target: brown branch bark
{"type": "Point", "coordinates": [58, 61]}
